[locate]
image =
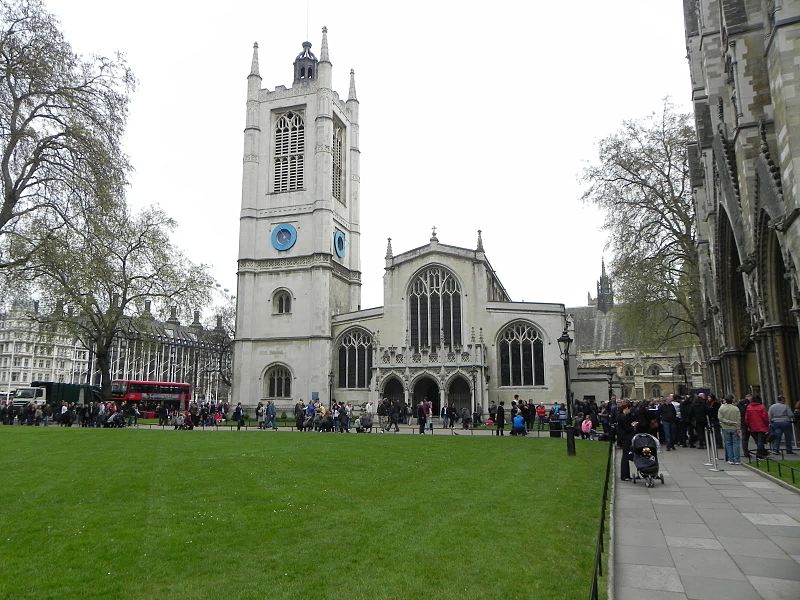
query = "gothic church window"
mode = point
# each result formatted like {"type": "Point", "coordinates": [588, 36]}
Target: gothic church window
{"type": "Point", "coordinates": [338, 162]}
{"type": "Point", "coordinates": [282, 303]}
{"type": "Point", "coordinates": [279, 382]}
{"type": "Point", "coordinates": [521, 356]}
{"type": "Point", "coordinates": [654, 371]}
{"type": "Point", "coordinates": [289, 149]}
{"type": "Point", "coordinates": [355, 359]}
{"type": "Point", "coordinates": [434, 308]}
{"type": "Point", "coordinates": [628, 371]}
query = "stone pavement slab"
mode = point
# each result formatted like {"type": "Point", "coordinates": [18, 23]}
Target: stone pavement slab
{"type": "Point", "coordinates": [731, 534]}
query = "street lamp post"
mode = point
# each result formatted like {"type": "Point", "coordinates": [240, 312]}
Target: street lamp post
{"type": "Point", "coordinates": [564, 343]}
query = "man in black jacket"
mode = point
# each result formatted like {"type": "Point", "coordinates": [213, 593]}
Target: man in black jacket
{"type": "Point", "coordinates": [500, 420]}
{"type": "Point", "coordinates": [668, 416]}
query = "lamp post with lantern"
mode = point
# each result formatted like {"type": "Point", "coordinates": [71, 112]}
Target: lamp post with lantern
{"type": "Point", "coordinates": [564, 342]}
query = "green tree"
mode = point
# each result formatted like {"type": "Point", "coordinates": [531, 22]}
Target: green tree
{"type": "Point", "coordinates": [105, 268]}
{"type": "Point", "coordinates": [641, 183]}
{"type": "Point", "coordinates": [61, 121]}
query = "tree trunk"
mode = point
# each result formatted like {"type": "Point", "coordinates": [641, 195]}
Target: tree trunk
{"type": "Point", "coordinates": [103, 362]}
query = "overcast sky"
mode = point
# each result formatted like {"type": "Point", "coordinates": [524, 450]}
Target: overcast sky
{"type": "Point", "coordinates": [474, 115]}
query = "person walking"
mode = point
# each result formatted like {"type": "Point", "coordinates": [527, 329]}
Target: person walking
{"type": "Point", "coordinates": [780, 420]}
{"type": "Point", "coordinates": [626, 428]}
{"type": "Point", "coordinates": [421, 415]}
{"type": "Point", "coordinates": [238, 416]}
{"type": "Point", "coordinates": [730, 421]}
{"type": "Point", "coordinates": [757, 420]}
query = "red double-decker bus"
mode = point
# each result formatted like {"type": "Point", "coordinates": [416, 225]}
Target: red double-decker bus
{"type": "Point", "coordinates": [148, 395]}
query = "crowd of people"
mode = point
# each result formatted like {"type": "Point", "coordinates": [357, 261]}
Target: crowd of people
{"type": "Point", "coordinates": [69, 414]}
{"type": "Point", "coordinates": [694, 420]}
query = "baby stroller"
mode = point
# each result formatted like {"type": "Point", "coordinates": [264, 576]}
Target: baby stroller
{"type": "Point", "coordinates": [644, 453]}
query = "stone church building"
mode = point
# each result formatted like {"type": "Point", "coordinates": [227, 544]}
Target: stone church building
{"type": "Point", "coordinates": [447, 331]}
{"type": "Point", "coordinates": [744, 60]}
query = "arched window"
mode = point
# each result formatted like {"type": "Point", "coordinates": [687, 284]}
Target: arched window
{"type": "Point", "coordinates": [680, 370]}
{"type": "Point", "coordinates": [282, 303]}
{"type": "Point", "coordinates": [434, 307]}
{"type": "Point", "coordinates": [338, 162]}
{"type": "Point", "coordinates": [290, 142]}
{"type": "Point", "coordinates": [655, 391]}
{"type": "Point", "coordinates": [355, 359]}
{"type": "Point", "coordinates": [279, 382]}
{"type": "Point", "coordinates": [521, 356]}
{"type": "Point", "coordinates": [628, 371]}
{"type": "Point", "coordinates": [654, 371]}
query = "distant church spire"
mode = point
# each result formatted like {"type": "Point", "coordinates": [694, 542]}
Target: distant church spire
{"type": "Point", "coordinates": [480, 242]}
{"type": "Point", "coordinates": [352, 94]}
{"type": "Point", "coordinates": [389, 252]}
{"type": "Point", "coordinates": [254, 64]}
{"type": "Point", "coordinates": [605, 290]}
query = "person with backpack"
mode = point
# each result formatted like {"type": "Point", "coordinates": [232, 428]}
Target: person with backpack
{"type": "Point", "coordinates": [780, 422]}
{"type": "Point", "coordinates": [238, 416]}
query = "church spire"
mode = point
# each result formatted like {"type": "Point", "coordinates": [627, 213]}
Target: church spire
{"type": "Point", "coordinates": [254, 63]}
{"type": "Point", "coordinates": [389, 252]}
{"type": "Point", "coordinates": [351, 96]}
{"type": "Point", "coordinates": [605, 290]}
{"type": "Point", "coordinates": [480, 242]}
{"type": "Point", "coordinates": [323, 53]}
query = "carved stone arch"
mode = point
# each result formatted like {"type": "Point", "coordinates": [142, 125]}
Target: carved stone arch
{"type": "Point", "coordinates": [458, 373]}
{"type": "Point", "coordinates": [392, 386]}
{"type": "Point", "coordinates": [731, 263]}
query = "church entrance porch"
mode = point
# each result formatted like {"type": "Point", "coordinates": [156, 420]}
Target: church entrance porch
{"type": "Point", "coordinates": [393, 390]}
{"type": "Point", "coordinates": [458, 395]}
{"type": "Point", "coordinates": [426, 389]}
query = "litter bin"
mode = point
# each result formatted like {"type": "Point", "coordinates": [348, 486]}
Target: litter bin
{"type": "Point", "coordinates": [555, 428]}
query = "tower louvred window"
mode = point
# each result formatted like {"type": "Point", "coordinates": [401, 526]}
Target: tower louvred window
{"type": "Point", "coordinates": [290, 139]}
{"type": "Point", "coordinates": [338, 162]}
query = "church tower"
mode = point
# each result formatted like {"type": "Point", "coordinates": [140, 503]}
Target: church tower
{"type": "Point", "coordinates": [299, 260]}
{"type": "Point", "coordinates": [605, 291]}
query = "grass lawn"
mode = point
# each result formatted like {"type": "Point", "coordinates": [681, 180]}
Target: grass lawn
{"type": "Point", "coordinates": [99, 513]}
{"type": "Point", "coordinates": [780, 469]}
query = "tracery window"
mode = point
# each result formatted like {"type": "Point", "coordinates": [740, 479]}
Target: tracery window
{"type": "Point", "coordinates": [290, 142]}
{"type": "Point", "coordinates": [654, 371]}
{"type": "Point", "coordinates": [628, 371]}
{"type": "Point", "coordinates": [521, 356]}
{"type": "Point", "coordinates": [338, 162]}
{"type": "Point", "coordinates": [355, 359]}
{"type": "Point", "coordinates": [434, 307]}
{"type": "Point", "coordinates": [279, 382]}
{"type": "Point", "coordinates": [282, 302]}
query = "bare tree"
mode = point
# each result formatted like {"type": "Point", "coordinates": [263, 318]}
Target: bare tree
{"type": "Point", "coordinates": [106, 269]}
{"type": "Point", "coordinates": [61, 121]}
{"type": "Point", "coordinates": [641, 182]}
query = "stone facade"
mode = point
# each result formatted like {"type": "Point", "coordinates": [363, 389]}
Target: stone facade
{"type": "Point", "coordinates": [447, 330]}
{"type": "Point", "coordinates": [744, 59]}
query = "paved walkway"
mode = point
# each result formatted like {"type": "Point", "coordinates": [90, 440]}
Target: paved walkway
{"type": "Point", "coordinates": [731, 535]}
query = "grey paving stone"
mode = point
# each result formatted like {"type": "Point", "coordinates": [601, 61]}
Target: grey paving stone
{"type": "Point", "coordinates": [796, 557]}
{"type": "Point", "coordinates": [776, 589]}
{"type": "Point", "coordinates": [779, 530]}
{"type": "Point", "coordinates": [691, 562]}
{"type": "Point", "coordinates": [790, 545]}
{"type": "Point", "coordinates": [642, 555]}
{"type": "Point", "coordinates": [678, 516]}
{"type": "Point", "coordinates": [670, 502]}
{"type": "Point", "coordinates": [687, 542]}
{"type": "Point", "coordinates": [627, 593]}
{"type": "Point", "coordinates": [687, 530]}
{"type": "Point", "coordinates": [771, 519]}
{"type": "Point", "coordinates": [639, 537]}
{"type": "Point", "coordinates": [763, 547]}
{"type": "Point", "coordinates": [649, 578]}
{"type": "Point", "coordinates": [708, 588]}
{"type": "Point", "coordinates": [777, 568]}
{"type": "Point", "coordinates": [719, 513]}
{"type": "Point", "coordinates": [738, 493]}
{"type": "Point", "coordinates": [624, 522]}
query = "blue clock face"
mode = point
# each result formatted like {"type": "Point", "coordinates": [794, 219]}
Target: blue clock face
{"type": "Point", "coordinates": [283, 237]}
{"type": "Point", "coordinates": [339, 244]}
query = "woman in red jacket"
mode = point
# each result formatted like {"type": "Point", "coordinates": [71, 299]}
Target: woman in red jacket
{"type": "Point", "coordinates": [757, 420]}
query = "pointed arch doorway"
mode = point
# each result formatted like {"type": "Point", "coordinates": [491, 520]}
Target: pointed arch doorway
{"type": "Point", "coordinates": [426, 388]}
{"type": "Point", "coordinates": [459, 395]}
